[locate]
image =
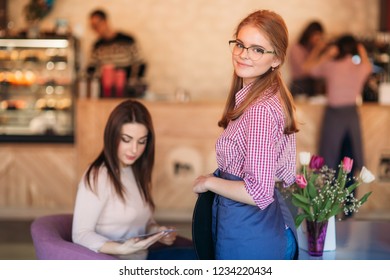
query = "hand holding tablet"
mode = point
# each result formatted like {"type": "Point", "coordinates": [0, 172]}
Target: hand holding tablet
{"type": "Point", "coordinates": [146, 235]}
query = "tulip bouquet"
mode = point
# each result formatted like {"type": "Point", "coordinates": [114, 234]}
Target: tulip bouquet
{"type": "Point", "coordinates": [320, 193]}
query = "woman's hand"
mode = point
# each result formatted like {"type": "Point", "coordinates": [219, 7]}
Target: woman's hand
{"type": "Point", "coordinates": [361, 49]}
{"type": "Point", "coordinates": [232, 189]}
{"type": "Point", "coordinates": [169, 237]}
{"type": "Point", "coordinates": [136, 244]}
{"type": "Point", "coordinates": [201, 183]}
{"type": "Point", "coordinates": [331, 52]}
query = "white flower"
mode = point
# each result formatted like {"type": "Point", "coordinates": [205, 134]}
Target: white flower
{"type": "Point", "coordinates": [304, 158]}
{"type": "Point", "coordinates": [366, 176]}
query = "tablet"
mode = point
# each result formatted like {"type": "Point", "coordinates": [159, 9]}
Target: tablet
{"type": "Point", "coordinates": [146, 235]}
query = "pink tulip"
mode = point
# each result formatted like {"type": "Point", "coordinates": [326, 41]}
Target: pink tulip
{"type": "Point", "coordinates": [301, 181]}
{"type": "Point", "coordinates": [347, 164]}
{"type": "Point", "coordinates": [316, 162]}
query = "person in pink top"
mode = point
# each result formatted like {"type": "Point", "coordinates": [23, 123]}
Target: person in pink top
{"type": "Point", "coordinates": [345, 67]}
{"type": "Point", "coordinates": [310, 44]}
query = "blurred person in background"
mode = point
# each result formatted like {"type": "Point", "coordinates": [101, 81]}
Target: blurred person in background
{"type": "Point", "coordinates": [113, 48]}
{"type": "Point", "coordinates": [345, 66]}
{"type": "Point", "coordinates": [310, 44]}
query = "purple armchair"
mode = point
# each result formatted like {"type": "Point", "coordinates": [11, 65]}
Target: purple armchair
{"type": "Point", "coordinates": [52, 238]}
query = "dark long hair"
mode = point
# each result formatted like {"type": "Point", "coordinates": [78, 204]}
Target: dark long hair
{"type": "Point", "coordinates": [312, 28]}
{"type": "Point", "coordinates": [98, 13]}
{"type": "Point", "coordinates": [273, 26]}
{"type": "Point", "coordinates": [129, 111]}
{"type": "Point", "coordinates": [347, 45]}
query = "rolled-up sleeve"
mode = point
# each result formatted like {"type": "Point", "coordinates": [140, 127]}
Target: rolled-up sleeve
{"type": "Point", "coordinates": [260, 161]}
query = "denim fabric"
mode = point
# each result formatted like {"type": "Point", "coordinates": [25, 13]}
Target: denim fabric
{"type": "Point", "coordinates": [172, 253]}
{"type": "Point", "coordinates": [242, 231]}
{"type": "Point", "coordinates": [291, 245]}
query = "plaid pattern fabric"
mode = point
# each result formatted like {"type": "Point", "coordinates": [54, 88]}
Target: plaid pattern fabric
{"type": "Point", "coordinates": [255, 148]}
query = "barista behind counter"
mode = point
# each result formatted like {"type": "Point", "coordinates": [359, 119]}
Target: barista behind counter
{"type": "Point", "coordinates": [115, 57]}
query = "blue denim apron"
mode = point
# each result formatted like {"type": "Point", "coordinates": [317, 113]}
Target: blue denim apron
{"type": "Point", "coordinates": [245, 232]}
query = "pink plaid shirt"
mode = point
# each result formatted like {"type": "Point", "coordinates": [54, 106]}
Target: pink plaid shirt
{"type": "Point", "coordinates": [254, 148]}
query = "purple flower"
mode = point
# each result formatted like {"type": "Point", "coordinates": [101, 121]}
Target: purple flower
{"type": "Point", "coordinates": [316, 162]}
{"type": "Point", "coordinates": [347, 164]}
{"type": "Point", "coordinates": [301, 181]}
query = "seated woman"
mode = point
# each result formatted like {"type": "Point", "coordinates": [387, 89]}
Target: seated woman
{"type": "Point", "coordinates": [114, 206]}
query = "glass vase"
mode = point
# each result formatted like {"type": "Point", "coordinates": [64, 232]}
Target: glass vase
{"type": "Point", "coordinates": [316, 234]}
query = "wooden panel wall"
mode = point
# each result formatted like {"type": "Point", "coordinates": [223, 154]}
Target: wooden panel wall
{"type": "Point", "coordinates": [186, 134]}
{"type": "Point", "coordinates": [36, 178]}
{"type": "Point", "coordinates": [41, 178]}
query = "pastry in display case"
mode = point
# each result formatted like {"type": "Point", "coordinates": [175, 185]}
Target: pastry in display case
{"type": "Point", "coordinates": [37, 89]}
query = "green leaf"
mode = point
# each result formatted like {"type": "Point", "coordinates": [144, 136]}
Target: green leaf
{"type": "Point", "coordinates": [328, 204]}
{"type": "Point", "coordinates": [315, 208]}
{"type": "Point", "coordinates": [299, 219]}
{"type": "Point", "coordinates": [301, 205]}
{"type": "Point", "coordinates": [311, 189]}
{"type": "Point", "coordinates": [341, 176]}
{"type": "Point", "coordinates": [336, 209]}
{"type": "Point", "coordinates": [324, 213]}
{"type": "Point", "coordinates": [351, 188]}
{"type": "Point", "coordinates": [340, 173]}
{"type": "Point", "coordinates": [322, 217]}
{"type": "Point", "coordinates": [301, 198]}
{"type": "Point", "coordinates": [364, 198]}
{"type": "Point", "coordinates": [321, 204]}
{"type": "Point", "coordinates": [342, 181]}
{"type": "Point", "coordinates": [313, 178]}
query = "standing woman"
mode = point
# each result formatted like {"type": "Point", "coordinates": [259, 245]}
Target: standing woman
{"type": "Point", "coordinates": [310, 45]}
{"type": "Point", "coordinates": [114, 204]}
{"type": "Point", "coordinates": [345, 66]}
{"type": "Point", "coordinates": [256, 149]}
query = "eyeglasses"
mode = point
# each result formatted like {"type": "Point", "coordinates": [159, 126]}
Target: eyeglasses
{"type": "Point", "coordinates": [254, 53]}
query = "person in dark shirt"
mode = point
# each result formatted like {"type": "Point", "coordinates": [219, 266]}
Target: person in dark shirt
{"type": "Point", "coordinates": [114, 48]}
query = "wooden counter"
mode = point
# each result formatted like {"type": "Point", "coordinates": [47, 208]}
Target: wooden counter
{"type": "Point", "coordinates": [40, 178]}
{"type": "Point", "coordinates": [186, 134]}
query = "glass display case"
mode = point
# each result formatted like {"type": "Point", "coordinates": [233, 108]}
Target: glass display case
{"type": "Point", "coordinates": [37, 89]}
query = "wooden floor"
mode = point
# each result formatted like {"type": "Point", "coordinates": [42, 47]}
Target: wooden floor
{"type": "Point", "coordinates": [16, 242]}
